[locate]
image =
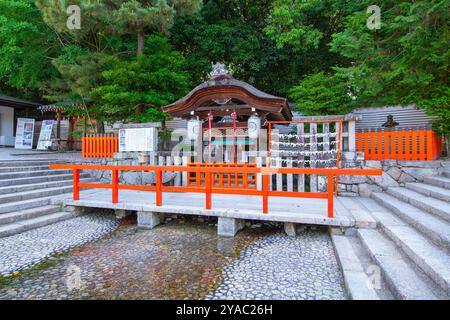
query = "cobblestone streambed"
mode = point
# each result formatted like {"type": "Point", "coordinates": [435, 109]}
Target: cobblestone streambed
{"type": "Point", "coordinates": [185, 259]}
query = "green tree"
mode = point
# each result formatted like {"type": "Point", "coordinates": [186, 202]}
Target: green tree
{"type": "Point", "coordinates": [323, 93]}
{"type": "Point", "coordinates": [26, 48]}
{"type": "Point", "coordinates": [231, 32]}
{"type": "Point", "coordinates": [145, 82]}
{"type": "Point", "coordinates": [403, 62]}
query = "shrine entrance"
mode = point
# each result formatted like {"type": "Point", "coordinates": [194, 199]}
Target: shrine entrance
{"type": "Point", "coordinates": [228, 119]}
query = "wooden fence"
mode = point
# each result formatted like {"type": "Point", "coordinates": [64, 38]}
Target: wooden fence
{"type": "Point", "coordinates": [99, 146]}
{"type": "Point", "coordinates": [211, 186]}
{"type": "Point", "coordinates": [399, 144]}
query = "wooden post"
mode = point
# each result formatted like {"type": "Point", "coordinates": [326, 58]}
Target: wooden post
{"type": "Point", "coordinates": [58, 125]}
{"type": "Point", "coordinates": [301, 148]}
{"type": "Point", "coordinates": [279, 176]}
{"type": "Point", "coordinates": [158, 174]}
{"type": "Point", "coordinates": [429, 144]}
{"type": "Point", "coordinates": [265, 191]}
{"type": "Point", "coordinates": [115, 186]}
{"type": "Point", "coordinates": [313, 148]}
{"type": "Point", "coordinates": [208, 189]}
{"type": "Point", "coordinates": [352, 135]}
{"type": "Point", "coordinates": [330, 196]}
{"type": "Point", "coordinates": [184, 174]}
{"type": "Point", "coordinates": [258, 175]}
{"type": "Point", "coordinates": [76, 183]}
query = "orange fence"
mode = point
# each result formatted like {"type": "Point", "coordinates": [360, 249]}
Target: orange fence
{"type": "Point", "coordinates": [417, 144]}
{"type": "Point", "coordinates": [208, 188]}
{"type": "Point", "coordinates": [223, 180]}
{"type": "Point", "coordinates": [99, 146]}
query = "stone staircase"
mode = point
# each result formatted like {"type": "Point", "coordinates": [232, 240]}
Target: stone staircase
{"type": "Point", "coordinates": [411, 245]}
{"type": "Point", "coordinates": [28, 190]}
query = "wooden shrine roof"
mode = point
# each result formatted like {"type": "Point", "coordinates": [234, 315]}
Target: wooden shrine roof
{"type": "Point", "coordinates": [224, 87]}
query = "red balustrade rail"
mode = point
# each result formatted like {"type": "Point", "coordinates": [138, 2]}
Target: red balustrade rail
{"type": "Point", "coordinates": [225, 180]}
{"type": "Point", "coordinates": [209, 187]}
{"type": "Point", "coordinates": [417, 144]}
{"type": "Point", "coordinates": [99, 146]}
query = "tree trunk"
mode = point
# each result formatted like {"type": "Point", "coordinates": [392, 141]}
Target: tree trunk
{"type": "Point", "coordinates": [140, 42]}
{"type": "Point", "coordinates": [139, 109]}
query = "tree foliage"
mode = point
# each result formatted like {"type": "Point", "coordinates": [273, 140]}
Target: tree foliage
{"type": "Point", "coordinates": [403, 62]}
{"type": "Point", "coordinates": [318, 53]}
{"type": "Point", "coordinates": [145, 82]}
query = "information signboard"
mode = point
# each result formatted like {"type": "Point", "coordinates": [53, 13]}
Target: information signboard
{"type": "Point", "coordinates": [45, 136]}
{"type": "Point", "coordinates": [24, 133]}
{"type": "Point", "coordinates": [138, 139]}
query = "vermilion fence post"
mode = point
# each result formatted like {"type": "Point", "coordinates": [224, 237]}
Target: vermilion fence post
{"type": "Point", "coordinates": [429, 145]}
{"type": "Point", "coordinates": [265, 191]}
{"type": "Point", "coordinates": [330, 196]}
{"type": "Point", "coordinates": [158, 174]}
{"type": "Point", "coordinates": [83, 147]}
{"type": "Point", "coordinates": [208, 189]}
{"type": "Point", "coordinates": [115, 186]}
{"type": "Point", "coordinates": [76, 183]}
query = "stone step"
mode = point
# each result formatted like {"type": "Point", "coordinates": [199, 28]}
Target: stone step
{"type": "Point", "coordinates": [20, 169]}
{"type": "Point", "coordinates": [429, 190]}
{"type": "Point", "coordinates": [435, 228]}
{"type": "Point", "coordinates": [17, 216]}
{"type": "Point", "coordinates": [402, 279]}
{"type": "Point", "coordinates": [442, 182]}
{"type": "Point", "coordinates": [38, 179]}
{"type": "Point", "coordinates": [25, 225]}
{"type": "Point", "coordinates": [40, 185]}
{"type": "Point", "coordinates": [23, 205]}
{"type": "Point", "coordinates": [25, 163]}
{"type": "Point", "coordinates": [423, 253]}
{"type": "Point", "coordinates": [446, 173]}
{"type": "Point", "coordinates": [39, 173]}
{"type": "Point", "coordinates": [437, 207]}
{"type": "Point", "coordinates": [353, 270]}
{"type": "Point", "coordinates": [26, 195]}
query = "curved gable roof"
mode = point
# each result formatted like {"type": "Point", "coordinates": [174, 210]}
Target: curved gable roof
{"type": "Point", "coordinates": [225, 86]}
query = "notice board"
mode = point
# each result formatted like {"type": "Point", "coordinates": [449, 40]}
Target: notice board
{"type": "Point", "coordinates": [138, 139]}
{"type": "Point", "coordinates": [24, 133]}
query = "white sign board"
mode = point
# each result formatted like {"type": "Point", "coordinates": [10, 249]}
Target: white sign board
{"type": "Point", "coordinates": [24, 133]}
{"type": "Point", "coordinates": [138, 139]}
{"type": "Point", "coordinates": [45, 136]}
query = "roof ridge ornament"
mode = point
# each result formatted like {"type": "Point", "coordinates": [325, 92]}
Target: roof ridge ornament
{"type": "Point", "coordinates": [218, 69]}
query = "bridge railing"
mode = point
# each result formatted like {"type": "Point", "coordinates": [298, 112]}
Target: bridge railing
{"type": "Point", "coordinates": [209, 185]}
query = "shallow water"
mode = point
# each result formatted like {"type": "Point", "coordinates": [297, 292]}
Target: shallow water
{"type": "Point", "coordinates": [180, 259]}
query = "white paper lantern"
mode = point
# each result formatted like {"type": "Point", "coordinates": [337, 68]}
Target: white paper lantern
{"type": "Point", "coordinates": [193, 127]}
{"type": "Point", "coordinates": [254, 125]}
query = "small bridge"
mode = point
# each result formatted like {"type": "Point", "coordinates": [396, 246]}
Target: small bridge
{"type": "Point", "coordinates": [235, 195]}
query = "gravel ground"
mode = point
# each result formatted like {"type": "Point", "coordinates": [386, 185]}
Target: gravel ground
{"type": "Point", "coordinates": [25, 249]}
{"type": "Point", "coordinates": [185, 259]}
{"type": "Point", "coordinates": [281, 267]}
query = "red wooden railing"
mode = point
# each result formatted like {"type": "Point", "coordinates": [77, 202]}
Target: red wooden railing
{"type": "Point", "coordinates": [209, 188]}
{"type": "Point", "coordinates": [223, 180]}
{"type": "Point", "coordinates": [99, 146]}
{"type": "Point", "coordinates": [413, 144]}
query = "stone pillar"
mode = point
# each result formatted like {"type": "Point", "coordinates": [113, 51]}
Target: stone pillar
{"type": "Point", "coordinates": [289, 228]}
{"type": "Point", "coordinates": [228, 227]}
{"type": "Point", "coordinates": [148, 220]}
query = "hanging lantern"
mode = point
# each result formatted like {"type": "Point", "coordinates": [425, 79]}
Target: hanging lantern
{"type": "Point", "coordinates": [193, 127]}
{"type": "Point", "coordinates": [254, 125]}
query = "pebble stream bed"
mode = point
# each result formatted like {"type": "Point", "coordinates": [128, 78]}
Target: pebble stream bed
{"type": "Point", "coordinates": [180, 259]}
